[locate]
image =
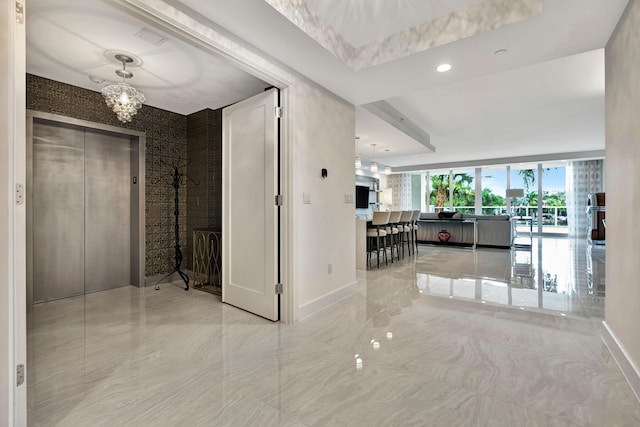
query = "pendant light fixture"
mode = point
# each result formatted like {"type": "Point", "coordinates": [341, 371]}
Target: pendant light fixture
{"type": "Point", "coordinates": [387, 170]}
{"type": "Point", "coordinates": [358, 159]}
{"type": "Point", "coordinates": [374, 164]}
{"type": "Point", "coordinates": [124, 99]}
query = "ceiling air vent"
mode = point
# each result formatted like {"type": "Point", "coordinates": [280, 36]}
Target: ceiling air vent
{"type": "Point", "coordinates": [151, 36]}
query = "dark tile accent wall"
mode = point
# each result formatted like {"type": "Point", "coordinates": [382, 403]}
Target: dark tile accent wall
{"type": "Point", "coordinates": [166, 134]}
{"type": "Point", "coordinates": [204, 148]}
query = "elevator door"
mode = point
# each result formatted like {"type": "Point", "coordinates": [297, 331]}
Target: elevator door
{"type": "Point", "coordinates": [81, 211]}
{"type": "Point", "coordinates": [107, 235]}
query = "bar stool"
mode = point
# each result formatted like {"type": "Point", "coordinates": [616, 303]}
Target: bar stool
{"type": "Point", "coordinates": [406, 230]}
{"type": "Point", "coordinates": [379, 222]}
{"type": "Point", "coordinates": [393, 230]}
{"type": "Point", "coordinates": [414, 224]}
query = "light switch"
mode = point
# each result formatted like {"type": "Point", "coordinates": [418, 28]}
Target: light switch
{"type": "Point", "coordinates": [306, 198]}
{"type": "Point", "coordinates": [348, 199]}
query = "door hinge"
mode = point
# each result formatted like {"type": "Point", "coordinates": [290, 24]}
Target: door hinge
{"type": "Point", "coordinates": [19, 13]}
{"type": "Point", "coordinates": [19, 375]}
{"type": "Point", "coordinates": [279, 288]}
{"type": "Point", "coordinates": [278, 112]}
{"type": "Point", "coordinates": [279, 200]}
{"type": "Point", "coordinates": [19, 194]}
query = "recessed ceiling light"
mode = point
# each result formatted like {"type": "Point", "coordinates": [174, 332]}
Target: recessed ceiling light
{"type": "Point", "coordinates": [500, 52]}
{"type": "Point", "coordinates": [443, 68]}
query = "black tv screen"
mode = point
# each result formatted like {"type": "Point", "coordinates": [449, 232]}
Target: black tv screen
{"type": "Point", "coordinates": [362, 197]}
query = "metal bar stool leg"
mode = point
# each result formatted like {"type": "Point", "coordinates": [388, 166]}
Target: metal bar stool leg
{"type": "Point", "coordinates": [378, 251]}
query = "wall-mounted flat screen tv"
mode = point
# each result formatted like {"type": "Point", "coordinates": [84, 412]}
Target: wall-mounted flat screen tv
{"type": "Point", "coordinates": [362, 197]}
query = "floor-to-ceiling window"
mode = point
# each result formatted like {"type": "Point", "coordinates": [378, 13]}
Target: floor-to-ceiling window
{"type": "Point", "coordinates": [525, 208]}
{"type": "Point", "coordinates": [439, 190]}
{"type": "Point", "coordinates": [494, 185]}
{"type": "Point", "coordinates": [455, 189]}
{"type": "Point", "coordinates": [554, 204]}
{"type": "Point", "coordinates": [464, 190]}
{"type": "Point", "coordinates": [452, 189]}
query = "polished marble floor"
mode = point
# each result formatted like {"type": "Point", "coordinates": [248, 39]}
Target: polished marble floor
{"type": "Point", "coordinates": [448, 338]}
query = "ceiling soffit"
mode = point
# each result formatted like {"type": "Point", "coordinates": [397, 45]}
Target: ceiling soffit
{"type": "Point", "coordinates": [466, 22]}
{"type": "Point", "coordinates": [361, 22]}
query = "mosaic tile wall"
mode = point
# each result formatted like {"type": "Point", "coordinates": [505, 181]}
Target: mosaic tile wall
{"type": "Point", "coordinates": [204, 199]}
{"type": "Point", "coordinates": [401, 185]}
{"type": "Point", "coordinates": [166, 143]}
{"type": "Point", "coordinates": [583, 177]}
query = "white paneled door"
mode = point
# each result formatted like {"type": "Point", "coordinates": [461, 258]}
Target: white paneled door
{"type": "Point", "coordinates": [250, 216]}
{"type": "Point", "coordinates": [13, 202]}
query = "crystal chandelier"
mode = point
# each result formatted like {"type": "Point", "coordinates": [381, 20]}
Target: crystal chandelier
{"type": "Point", "coordinates": [358, 163]}
{"type": "Point", "coordinates": [124, 99]}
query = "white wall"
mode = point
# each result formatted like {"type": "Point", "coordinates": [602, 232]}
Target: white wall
{"type": "Point", "coordinates": [322, 135]}
{"type": "Point", "coordinates": [622, 303]}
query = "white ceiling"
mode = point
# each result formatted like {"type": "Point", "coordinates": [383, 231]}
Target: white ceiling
{"type": "Point", "coordinates": [67, 41]}
{"type": "Point", "coordinates": [545, 95]}
{"type": "Point", "coordinates": [551, 107]}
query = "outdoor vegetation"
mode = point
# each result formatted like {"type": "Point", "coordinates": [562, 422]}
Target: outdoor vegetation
{"type": "Point", "coordinates": [464, 195]}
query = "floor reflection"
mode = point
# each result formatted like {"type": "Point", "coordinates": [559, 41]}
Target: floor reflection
{"type": "Point", "coordinates": [558, 274]}
{"type": "Point", "coordinates": [387, 355]}
{"type": "Point", "coordinates": [387, 296]}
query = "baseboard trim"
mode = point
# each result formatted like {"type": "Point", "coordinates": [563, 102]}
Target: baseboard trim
{"type": "Point", "coordinates": [327, 300]}
{"type": "Point", "coordinates": [625, 363]}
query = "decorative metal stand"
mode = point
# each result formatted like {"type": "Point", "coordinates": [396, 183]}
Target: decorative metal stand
{"type": "Point", "coordinates": [207, 260]}
{"type": "Point", "coordinates": [178, 179]}
{"type": "Point", "coordinates": [177, 176]}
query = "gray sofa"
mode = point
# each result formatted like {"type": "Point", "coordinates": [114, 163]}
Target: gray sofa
{"type": "Point", "coordinates": [493, 230]}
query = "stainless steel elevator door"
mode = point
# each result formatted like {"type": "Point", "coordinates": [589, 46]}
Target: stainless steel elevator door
{"type": "Point", "coordinates": [81, 211]}
{"type": "Point", "coordinates": [107, 211]}
{"type": "Point", "coordinates": [58, 211]}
